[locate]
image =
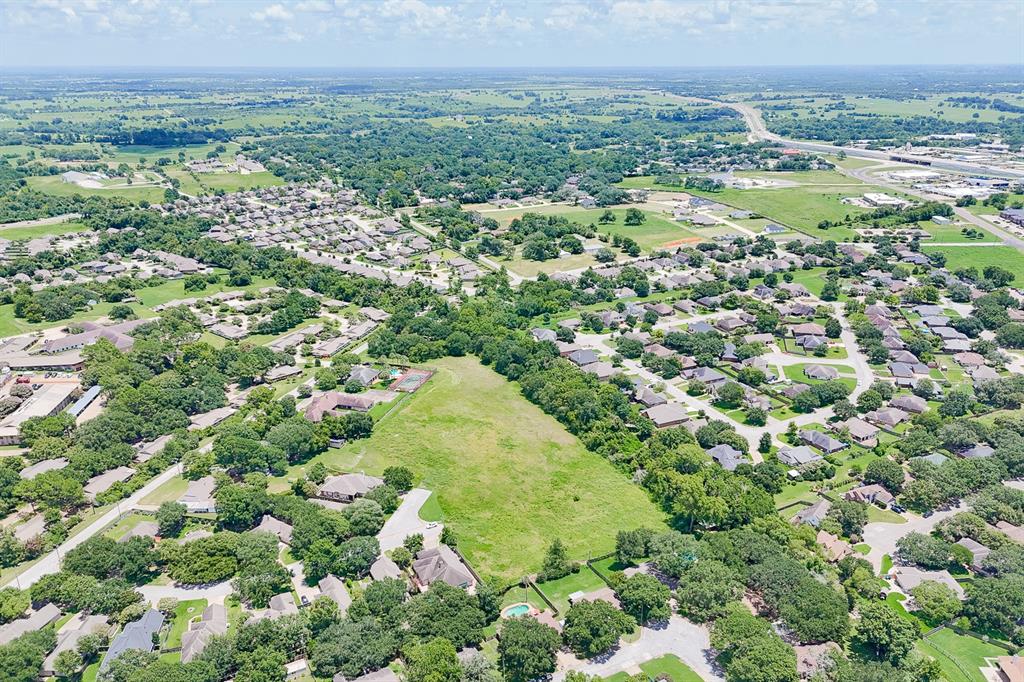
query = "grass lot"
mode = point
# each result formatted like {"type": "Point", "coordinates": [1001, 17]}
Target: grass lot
{"type": "Point", "coordinates": [668, 665]}
{"type": "Point", "coordinates": [119, 529]}
{"type": "Point", "coordinates": [659, 230]}
{"type": "Point", "coordinates": [558, 591]}
{"type": "Point", "coordinates": [55, 185]}
{"type": "Point", "coordinates": [508, 478]}
{"type": "Point", "coordinates": [233, 182]}
{"type": "Point", "coordinates": [879, 515]}
{"type": "Point", "coordinates": [33, 231]}
{"type": "Point", "coordinates": [801, 207]}
{"type": "Point", "coordinates": [978, 257]}
{"type": "Point", "coordinates": [960, 656]}
{"type": "Point", "coordinates": [184, 612]}
{"type": "Point", "coordinates": [952, 234]}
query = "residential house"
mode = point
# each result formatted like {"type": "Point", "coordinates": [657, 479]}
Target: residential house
{"type": "Point", "coordinates": [887, 416]}
{"type": "Point", "coordinates": [820, 372]}
{"type": "Point", "coordinates": [214, 622]}
{"type": "Point", "coordinates": [334, 589]}
{"type": "Point", "coordinates": [822, 441]}
{"type": "Point", "coordinates": [269, 524]}
{"type": "Point", "coordinates": [198, 496]}
{"type": "Point", "coordinates": [909, 577]}
{"type": "Point", "coordinates": [347, 487]}
{"type": "Point", "coordinates": [139, 634]}
{"type": "Point", "coordinates": [978, 552]}
{"type": "Point", "coordinates": [727, 456]}
{"type": "Point", "coordinates": [814, 514]}
{"type": "Point", "coordinates": [835, 548]}
{"type": "Point", "coordinates": [666, 414]}
{"type": "Point", "coordinates": [871, 494]}
{"type": "Point", "coordinates": [861, 432]}
{"type": "Point", "coordinates": [35, 620]}
{"type": "Point", "coordinates": [798, 456]}
{"type": "Point", "coordinates": [441, 563]}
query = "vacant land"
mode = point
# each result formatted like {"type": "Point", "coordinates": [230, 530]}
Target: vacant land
{"type": "Point", "coordinates": [55, 185]}
{"type": "Point", "coordinates": [34, 231]}
{"type": "Point", "coordinates": [508, 478]}
{"type": "Point", "coordinates": [981, 256]}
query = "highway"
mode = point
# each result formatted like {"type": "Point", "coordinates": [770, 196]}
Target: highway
{"type": "Point", "coordinates": [759, 132]}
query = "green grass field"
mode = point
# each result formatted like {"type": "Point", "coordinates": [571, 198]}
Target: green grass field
{"type": "Point", "coordinates": [508, 478]}
{"type": "Point", "coordinates": [952, 234]}
{"type": "Point", "coordinates": [33, 231]}
{"type": "Point", "coordinates": [558, 591]}
{"type": "Point", "coordinates": [668, 666]}
{"type": "Point", "coordinates": [183, 613]}
{"type": "Point", "coordinates": [960, 656]}
{"type": "Point", "coordinates": [55, 185]}
{"type": "Point", "coordinates": [981, 256]}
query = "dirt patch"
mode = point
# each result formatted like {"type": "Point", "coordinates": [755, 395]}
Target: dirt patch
{"type": "Point", "coordinates": [682, 242]}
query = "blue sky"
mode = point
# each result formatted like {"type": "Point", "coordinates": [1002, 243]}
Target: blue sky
{"type": "Point", "coordinates": [424, 33]}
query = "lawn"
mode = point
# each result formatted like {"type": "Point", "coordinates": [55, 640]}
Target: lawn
{"type": "Point", "coordinates": [981, 256]}
{"type": "Point", "coordinates": [508, 478]}
{"type": "Point", "coordinates": [961, 657]}
{"type": "Point", "coordinates": [558, 591]}
{"type": "Point", "coordinates": [233, 182]}
{"type": "Point", "coordinates": [795, 373]}
{"type": "Point", "coordinates": [55, 185]}
{"type": "Point", "coordinates": [953, 234]}
{"type": "Point", "coordinates": [668, 666]}
{"type": "Point", "coordinates": [33, 231]}
{"type": "Point", "coordinates": [184, 612]}
{"type": "Point", "coordinates": [168, 492]}
{"type": "Point", "coordinates": [119, 529]}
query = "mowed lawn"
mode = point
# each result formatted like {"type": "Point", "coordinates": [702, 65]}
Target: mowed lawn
{"type": "Point", "coordinates": [980, 257]}
{"type": "Point", "coordinates": [961, 657]}
{"type": "Point", "coordinates": [508, 478]}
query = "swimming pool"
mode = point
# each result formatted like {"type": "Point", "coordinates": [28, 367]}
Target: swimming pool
{"type": "Point", "coordinates": [516, 610]}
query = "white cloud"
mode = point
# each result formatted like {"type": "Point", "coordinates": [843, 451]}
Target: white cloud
{"type": "Point", "coordinates": [567, 16]}
{"type": "Point", "coordinates": [276, 12]}
{"type": "Point", "coordinates": [417, 15]}
{"type": "Point", "coordinates": [313, 6]}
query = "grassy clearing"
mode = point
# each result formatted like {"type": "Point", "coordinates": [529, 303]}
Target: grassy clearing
{"type": "Point", "coordinates": [669, 666]}
{"type": "Point", "coordinates": [184, 612]}
{"type": "Point", "coordinates": [558, 591]}
{"type": "Point", "coordinates": [168, 492]}
{"type": "Point", "coordinates": [960, 656]}
{"type": "Point", "coordinates": [55, 185]}
{"type": "Point", "coordinates": [508, 478]}
{"type": "Point", "coordinates": [34, 231]}
{"type": "Point", "coordinates": [952, 234]}
{"type": "Point", "coordinates": [979, 257]}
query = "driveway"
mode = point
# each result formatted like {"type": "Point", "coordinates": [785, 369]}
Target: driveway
{"type": "Point", "coordinates": [689, 641]}
{"type": "Point", "coordinates": [882, 537]}
{"type": "Point", "coordinates": [406, 521]}
{"type": "Point", "coordinates": [212, 593]}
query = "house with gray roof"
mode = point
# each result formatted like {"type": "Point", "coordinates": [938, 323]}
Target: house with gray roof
{"type": "Point", "coordinates": [727, 456]}
{"type": "Point", "coordinates": [814, 514]}
{"type": "Point", "coordinates": [798, 456]}
{"type": "Point", "coordinates": [213, 622]}
{"type": "Point", "coordinates": [139, 634]}
{"type": "Point", "coordinates": [822, 441]}
{"type": "Point", "coordinates": [347, 487]}
{"type": "Point", "coordinates": [441, 563]}
{"type": "Point", "coordinates": [35, 620]}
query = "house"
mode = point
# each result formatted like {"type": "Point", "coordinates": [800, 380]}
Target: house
{"type": "Point", "coordinates": [909, 403]}
{"type": "Point", "coordinates": [347, 487]}
{"type": "Point", "coordinates": [198, 496]}
{"type": "Point", "coordinates": [666, 414]}
{"type": "Point", "coordinates": [101, 483]}
{"type": "Point", "coordinates": [935, 459]}
{"type": "Point", "coordinates": [35, 620]}
{"type": "Point", "coordinates": [441, 563]}
{"type": "Point", "coordinates": [820, 372]}
{"type": "Point", "coordinates": [214, 622]}
{"type": "Point", "coordinates": [143, 529]}
{"type": "Point", "coordinates": [334, 589]}
{"type": "Point", "coordinates": [42, 466]}
{"type": "Point", "coordinates": [909, 577]}
{"type": "Point", "coordinates": [582, 357]}
{"type": "Point", "coordinates": [540, 334]}
{"type": "Point", "coordinates": [648, 398]}
{"type": "Point", "coordinates": [798, 456]}
{"type": "Point", "coordinates": [139, 634]}
{"type": "Point", "coordinates": [602, 370]}
{"type": "Point", "coordinates": [823, 442]}
{"type": "Point", "coordinates": [382, 675]}
{"type": "Point", "coordinates": [814, 514]}
{"type": "Point", "coordinates": [363, 374]}
{"type": "Point", "coordinates": [730, 324]}
{"type": "Point", "coordinates": [977, 451]}
{"type": "Point", "coordinates": [276, 527]}
{"type": "Point", "coordinates": [281, 372]}
{"type": "Point", "coordinates": [860, 431]}
{"type": "Point", "coordinates": [807, 329]}
{"type": "Point", "coordinates": [71, 634]}
{"type": "Point", "coordinates": [835, 549]}
{"type": "Point", "coordinates": [711, 378]}
{"type": "Point", "coordinates": [727, 456]}
{"type": "Point", "coordinates": [280, 605]}
{"type": "Point", "coordinates": [887, 416]}
{"type": "Point", "coordinates": [978, 552]}
{"type": "Point", "coordinates": [1009, 668]}
{"type": "Point", "coordinates": [384, 568]}
{"type": "Point", "coordinates": [871, 494]}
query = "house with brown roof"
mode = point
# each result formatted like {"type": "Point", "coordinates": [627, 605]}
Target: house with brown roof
{"type": "Point", "coordinates": [441, 563]}
{"type": "Point", "coordinates": [347, 487]}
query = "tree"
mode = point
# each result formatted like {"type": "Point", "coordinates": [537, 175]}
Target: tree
{"type": "Point", "coordinates": [527, 649]}
{"type": "Point", "coordinates": [68, 663]}
{"type": "Point", "coordinates": [924, 551]}
{"type": "Point", "coordinates": [13, 604]}
{"type": "Point", "coordinates": [121, 312]}
{"type": "Point", "coordinates": [748, 649]}
{"type": "Point", "coordinates": [645, 598]}
{"type": "Point", "coordinates": [448, 612]}
{"type": "Point", "coordinates": [764, 445]}
{"type": "Point", "coordinates": [731, 394]}
{"type": "Point", "coordinates": [634, 217]}
{"type": "Point", "coordinates": [398, 477]}
{"type": "Point", "coordinates": [556, 562]}
{"type": "Point", "coordinates": [886, 472]}
{"type": "Point", "coordinates": [170, 516]}
{"type": "Point", "coordinates": [433, 661]}
{"type": "Point", "coordinates": [606, 217]}
{"type": "Point", "coordinates": [365, 517]}
{"type": "Point", "coordinates": [631, 545]}
{"type": "Point", "coordinates": [935, 601]}
{"type": "Point", "coordinates": [881, 631]}
{"type": "Point", "coordinates": [844, 409]}
{"type": "Point", "coordinates": [850, 516]}
{"type": "Point", "coordinates": [706, 588]}
{"type": "Point", "coordinates": [593, 627]}
{"type": "Point", "coordinates": [996, 604]}
{"type": "Point", "coordinates": [957, 403]}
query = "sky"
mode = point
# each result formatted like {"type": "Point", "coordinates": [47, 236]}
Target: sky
{"type": "Point", "coordinates": [504, 33]}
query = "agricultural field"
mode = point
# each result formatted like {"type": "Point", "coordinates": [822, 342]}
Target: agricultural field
{"type": "Point", "coordinates": [931, 105]}
{"type": "Point", "coordinates": [508, 478]}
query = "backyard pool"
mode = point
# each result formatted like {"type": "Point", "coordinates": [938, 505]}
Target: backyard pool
{"type": "Point", "coordinates": [516, 610]}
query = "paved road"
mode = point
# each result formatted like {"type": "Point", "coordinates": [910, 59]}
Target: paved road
{"type": "Point", "coordinates": [882, 537]}
{"type": "Point", "coordinates": [50, 563]}
{"type": "Point", "coordinates": [406, 521]}
{"type": "Point", "coordinates": [688, 641]}
{"type": "Point", "coordinates": [212, 593]}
